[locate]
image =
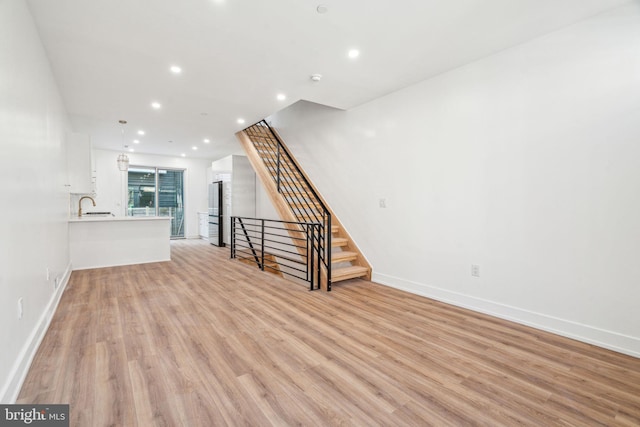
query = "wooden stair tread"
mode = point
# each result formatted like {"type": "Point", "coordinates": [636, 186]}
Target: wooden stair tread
{"type": "Point", "coordinates": [285, 173]}
{"type": "Point", "coordinates": [260, 130]}
{"type": "Point", "coordinates": [294, 174]}
{"type": "Point", "coordinates": [283, 164]}
{"type": "Point", "coordinates": [343, 256]}
{"type": "Point", "coordinates": [289, 180]}
{"type": "Point", "coordinates": [297, 194]}
{"type": "Point", "coordinates": [345, 273]}
{"type": "Point", "coordinates": [309, 215]}
{"type": "Point", "coordinates": [339, 241]}
{"type": "Point", "coordinates": [335, 228]}
{"type": "Point", "coordinates": [261, 145]}
{"type": "Point", "coordinates": [259, 135]}
{"type": "Point", "coordinates": [283, 167]}
{"type": "Point", "coordinates": [310, 204]}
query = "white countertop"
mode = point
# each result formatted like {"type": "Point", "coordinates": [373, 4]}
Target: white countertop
{"type": "Point", "coordinates": [91, 218]}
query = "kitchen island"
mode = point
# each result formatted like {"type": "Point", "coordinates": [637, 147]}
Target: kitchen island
{"type": "Point", "coordinates": [107, 241]}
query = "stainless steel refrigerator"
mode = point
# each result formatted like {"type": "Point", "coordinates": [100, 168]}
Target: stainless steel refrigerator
{"type": "Point", "coordinates": [216, 218]}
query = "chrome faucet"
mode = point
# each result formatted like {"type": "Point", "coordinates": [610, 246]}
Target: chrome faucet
{"type": "Point", "coordinates": [80, 203]}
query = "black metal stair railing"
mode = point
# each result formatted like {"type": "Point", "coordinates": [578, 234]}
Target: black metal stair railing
{"type": "Point", "coordinates": [295, 254]}
{"type": "Point", "coordinates": [300, 195]}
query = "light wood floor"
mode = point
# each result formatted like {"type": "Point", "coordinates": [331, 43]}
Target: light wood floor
{"type": "Point", "coordinates": [206, 341]}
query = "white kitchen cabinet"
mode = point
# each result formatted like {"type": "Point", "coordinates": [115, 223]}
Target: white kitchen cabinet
{"type": "Point", "coordinates": [203, 225]}
{"type": "Point", "coordinates": [80, 167]}
{"type": "Point", "coordinates": [109, 241]}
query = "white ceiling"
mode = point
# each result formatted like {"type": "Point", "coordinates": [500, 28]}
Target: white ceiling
{"type": "Point", "coordinates": [111, 58]}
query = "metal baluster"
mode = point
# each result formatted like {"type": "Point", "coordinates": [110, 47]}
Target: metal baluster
{"type": "Point", "coordinates": [262, 243]}
{"type": "Point", "coordinates": [278, 168]}
{"type": "Point", "coordinates": [233, 237]}
{"type": "Point", "coordinates": [310, 252]}
{"type": "Point", "coordinates": [327, 253]}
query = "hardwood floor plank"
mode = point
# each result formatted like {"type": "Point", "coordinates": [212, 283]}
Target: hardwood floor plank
{"type": "Point", "coordinates": [428, 414]}
{"type": "Point", "coordinates": [268, 401]}
{"type": "Point", "coordinates": [203, 340]}
{"type": "Point", "coordinates": [514, 402]}
{"type": "Point", "coordinates": [144, 404]}
{"type": "Point", "coordinates": [112, 392]}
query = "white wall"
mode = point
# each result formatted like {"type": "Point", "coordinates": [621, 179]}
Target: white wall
{"type": "Point", "coordinates": [33, 217]}
{"type": "Point", "coordinates": [525, 163]}
{"type": "Point", "coordinates": [111, 191]}
{"type": "Point", "coordinates": [264, 207]}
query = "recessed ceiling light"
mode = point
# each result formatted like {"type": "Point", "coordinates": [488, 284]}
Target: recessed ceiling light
{"type": "Point", "coordinates": [316, 77]}
{"type": "Point", "coordinates": [281, 97]}
{"type": "Point", "coordinates": [183, 155]}
{"type": "Point", "coordinates": [136, 141]}
{"type": "Point", "coordinates": [322, 8]}
{"type": "Point", "coordinates": [241, 121]}
{"type": "Point", "coordinates": [131, 150]}
{"type": "Point", "coordinates": [175, 69]}
{"type": "Point", "coordinates": [156, 105]}
{"type": "Point", "coordinates": [353, 53]}
{"type": "Point", "coordinates": [206, 141]}
{"type": "Point", "coordinates": [140, 132]}
{"type": "Point", "coordinates": [194, 148]}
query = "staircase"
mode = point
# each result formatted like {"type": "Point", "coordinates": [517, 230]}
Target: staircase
{"type": "Point", "coordinates": [295, 199]}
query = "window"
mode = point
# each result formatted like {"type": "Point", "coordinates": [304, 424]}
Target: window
{"type": "Point", "coordinates": [157, 192]}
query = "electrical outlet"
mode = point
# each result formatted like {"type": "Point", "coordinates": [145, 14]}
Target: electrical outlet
{"type": "Point", "coordinates": [475, 270]}
{"type": "Point", "coordinates": [20, 308]}
{"type": "Point", "coordinates": [382, 203]}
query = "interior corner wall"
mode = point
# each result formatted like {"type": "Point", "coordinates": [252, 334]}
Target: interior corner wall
{"type": "Point", "coordinates": [111, 194]}
{"type": "Point", "coordinates": [524, 163]}
{"type": "Point", "coordinates": [33, 218]}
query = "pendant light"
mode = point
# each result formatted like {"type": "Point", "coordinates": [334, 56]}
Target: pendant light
{"type": "Point", "coordinates": [123, 159]}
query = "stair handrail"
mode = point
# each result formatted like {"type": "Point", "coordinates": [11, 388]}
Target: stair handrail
{"type": "Point", "coordinates": [283, 180]}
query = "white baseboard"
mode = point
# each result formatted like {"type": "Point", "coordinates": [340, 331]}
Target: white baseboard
{"type": "Point", "coordinates": [196, 236]}
{"type": "Point", "coordinates": [120, 264]}
{"type": "Point", "coordinates": [602, 338]}
{"type": "Point", "coordinates": [11, 389]}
